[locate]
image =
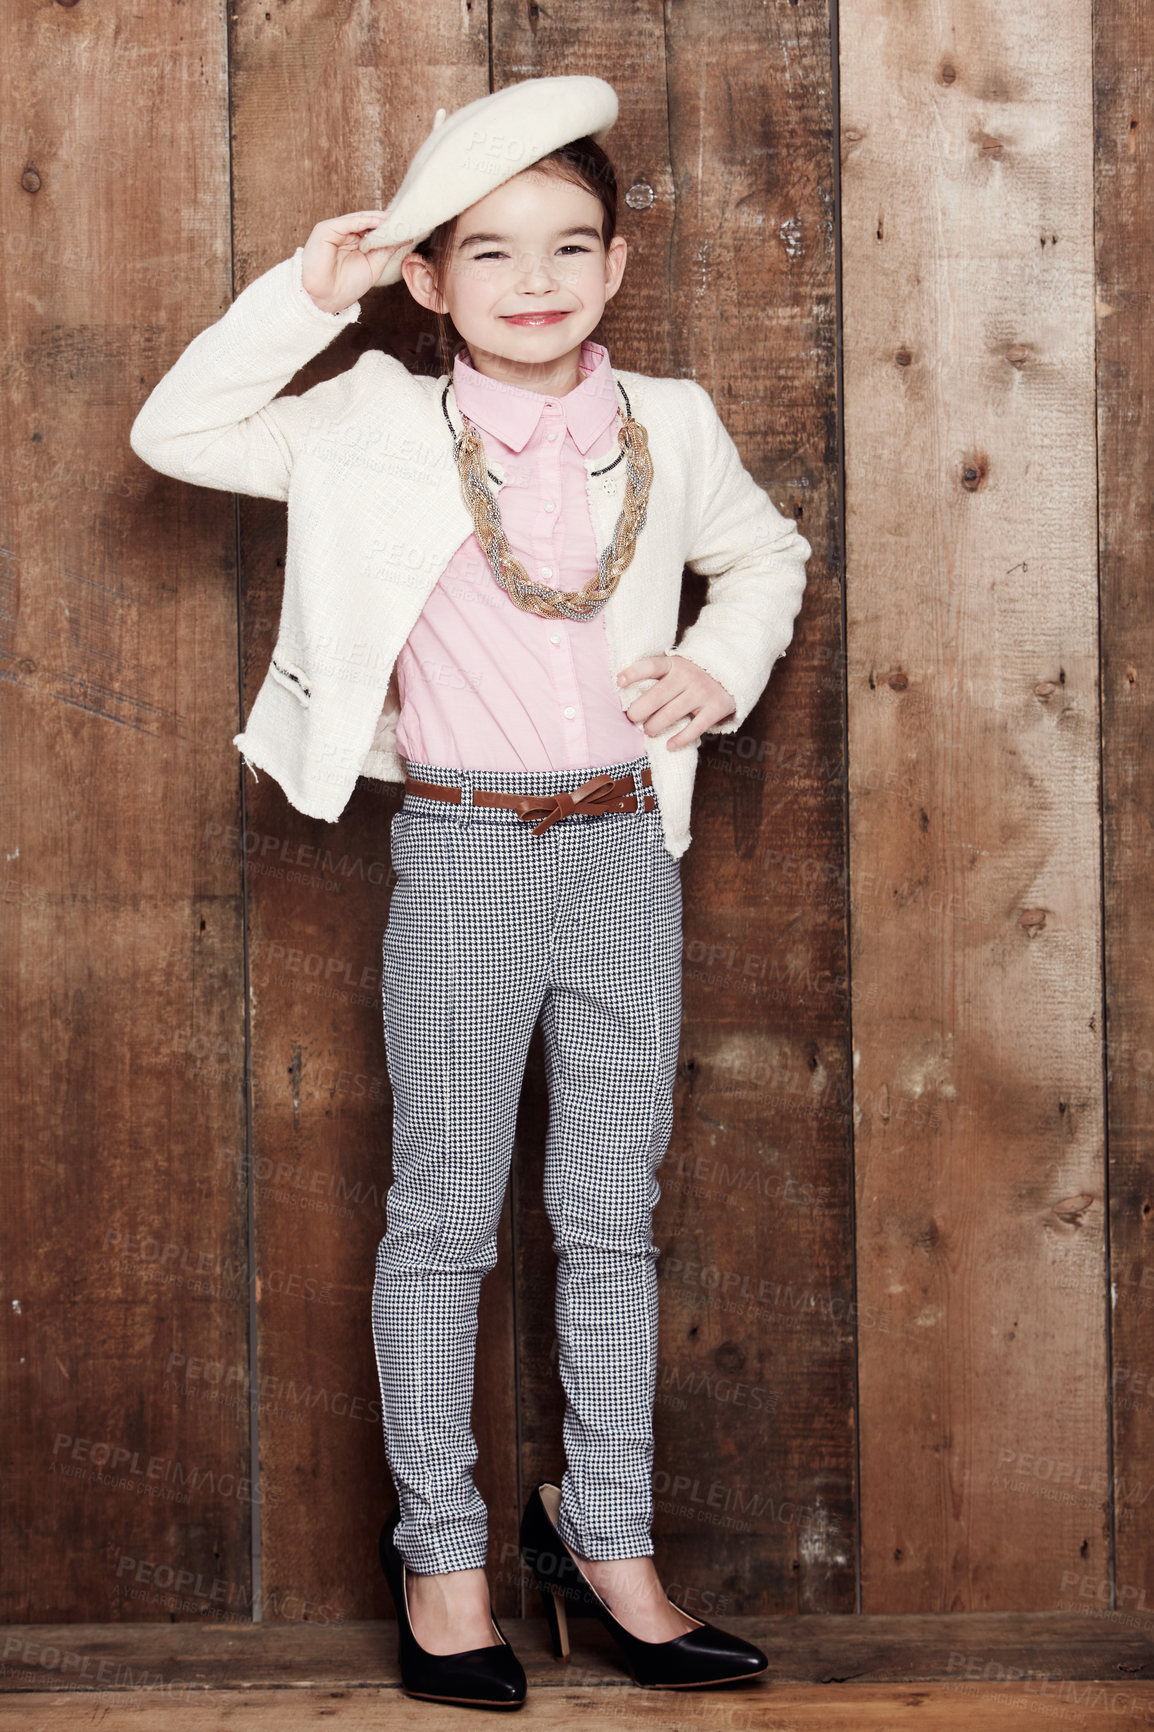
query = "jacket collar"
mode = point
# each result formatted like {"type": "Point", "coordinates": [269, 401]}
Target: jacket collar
{"type": "Point", "coordinates": [511, 413]}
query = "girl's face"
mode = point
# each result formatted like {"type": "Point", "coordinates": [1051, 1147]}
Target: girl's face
{"type": "Point", "coordinates": [528, 277]}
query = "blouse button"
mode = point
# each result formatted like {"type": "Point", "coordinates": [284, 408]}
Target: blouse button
{"type": "Point", "coordinates": [554, 637]}
{"type": "Point", "coordinates": [550, 437]}
{"type": "Point", "coordinates": [570, 711]}
{"type": "Point", "coordinates": [546, 571]}
{"type": "Point", "coordinates": [550, 505]}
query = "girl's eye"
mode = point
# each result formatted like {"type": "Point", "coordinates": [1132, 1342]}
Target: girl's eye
{"type": "Point", "coordinates": [574, 247]}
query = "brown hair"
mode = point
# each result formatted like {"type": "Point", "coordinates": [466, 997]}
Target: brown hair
{"type": "Point", "coordinates": [585, 164]}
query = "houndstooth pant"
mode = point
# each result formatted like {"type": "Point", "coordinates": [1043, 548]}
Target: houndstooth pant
{"type": "Point", "coordinates": [489, 928]}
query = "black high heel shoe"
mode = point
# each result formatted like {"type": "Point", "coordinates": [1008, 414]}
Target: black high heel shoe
{"type": "Point", "coordinates": [477, 1678]}
{"type": "Point", "coordinates": [702, 1656]}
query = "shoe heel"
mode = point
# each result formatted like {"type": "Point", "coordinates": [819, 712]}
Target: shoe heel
{"type": "Point", "coordinates": [554, 1603]}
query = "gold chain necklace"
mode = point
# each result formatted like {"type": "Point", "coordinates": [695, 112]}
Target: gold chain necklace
{"type": "Point", "coordinates": [613, 562]}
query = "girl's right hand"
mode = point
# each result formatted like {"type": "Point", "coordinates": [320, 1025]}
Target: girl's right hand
{"type": "Point", "coordinates": [334, 270]}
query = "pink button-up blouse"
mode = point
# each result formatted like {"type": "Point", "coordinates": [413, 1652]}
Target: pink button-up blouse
{"type": "Point", "coordinates": [484, 685]}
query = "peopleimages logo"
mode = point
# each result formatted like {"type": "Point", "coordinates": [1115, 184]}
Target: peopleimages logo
{"type": "Point", "coordinates": [182, 1265]}
{"type": "Point", "coordinates": [210, 1591]}
{"type": "Point", "coordinates": [290, 851]}
{"type": "Point", "coordinates": [161, 1477]}
{"type": "Point", "coordinates": [217, 1373]}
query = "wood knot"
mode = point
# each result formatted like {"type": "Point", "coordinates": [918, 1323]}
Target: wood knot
{"type": "Point", "coordinates": [1033, 919]}
{"type": "Point", "coordinates": [903, 357]}
{"type": "Point", "coordinates": [1045, 689]}
{"type": "Point", "coordinates": [1071, 1209]}
{"type": "Point", "coordinates": [729, 1357]}
{"type": "Point", "coordinates": [898, 680]}
{"type": "Point", "coordinates": [988, 145]}
{"type": "Point", "coordinates": [30, 180]}
{"type": "Point", "coordinates": [947, 74]}
{"type": "Point", "coordinates": [932, 1234]}
{"type": "Point", "coordinates": [975, 472]}
{"type": "Point", "coordinates": [1018, 354]}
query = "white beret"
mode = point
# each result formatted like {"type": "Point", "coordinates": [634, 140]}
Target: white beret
{"type": "Point", "coordinates": [487, 142]}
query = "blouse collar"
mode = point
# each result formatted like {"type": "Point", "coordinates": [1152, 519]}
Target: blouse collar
{"type": "Point", "coordinates": [511, 413]}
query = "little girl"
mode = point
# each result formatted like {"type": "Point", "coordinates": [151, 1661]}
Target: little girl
{"type": "Point", "coordinates": [481, 597]}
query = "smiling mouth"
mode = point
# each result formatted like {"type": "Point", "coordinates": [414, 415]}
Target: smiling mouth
{"type": "Point", "coordinates": [533, 318]}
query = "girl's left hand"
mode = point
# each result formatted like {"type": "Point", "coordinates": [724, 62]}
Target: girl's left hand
{"type": "Point", "coordinates": [683, 690]}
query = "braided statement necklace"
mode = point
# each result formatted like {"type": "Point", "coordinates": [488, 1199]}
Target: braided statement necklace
{"type": "Point", "coordinates": [612, 563]}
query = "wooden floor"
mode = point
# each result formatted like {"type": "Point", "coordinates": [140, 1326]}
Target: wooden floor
{"type": "Point", "coordinates": [844, 1674]}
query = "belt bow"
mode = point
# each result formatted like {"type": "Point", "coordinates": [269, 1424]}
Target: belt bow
{"type": "Point", "coordinates": [598, 794]}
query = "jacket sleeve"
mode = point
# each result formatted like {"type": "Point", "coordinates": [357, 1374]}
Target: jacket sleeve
{"type": "Point", "coordinates": [754, 559]}
{"type": "Point", "coordinates": [215, 418]}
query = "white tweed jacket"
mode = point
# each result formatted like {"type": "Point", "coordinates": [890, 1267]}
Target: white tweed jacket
{"type": "Point", "coordinates": [375, 513]}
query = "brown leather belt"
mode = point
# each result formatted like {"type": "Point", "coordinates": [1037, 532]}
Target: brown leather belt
{"type": "Point", "coordinates": [599, 794]}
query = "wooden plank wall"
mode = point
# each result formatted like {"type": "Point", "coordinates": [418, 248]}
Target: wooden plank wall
{"type": "Point", "coordinates": [124, 1253]}
{"type": "Point", "coordinates": [753, 1478]}
{"type": "Point", "coordinates": [972, 685]}
{"type": "Point", "coordinates": [320, 86]}
{"type": "Point", "coordinates": [892, 1237]}
{"type": "Point", "coordinates": [1124, 202]}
